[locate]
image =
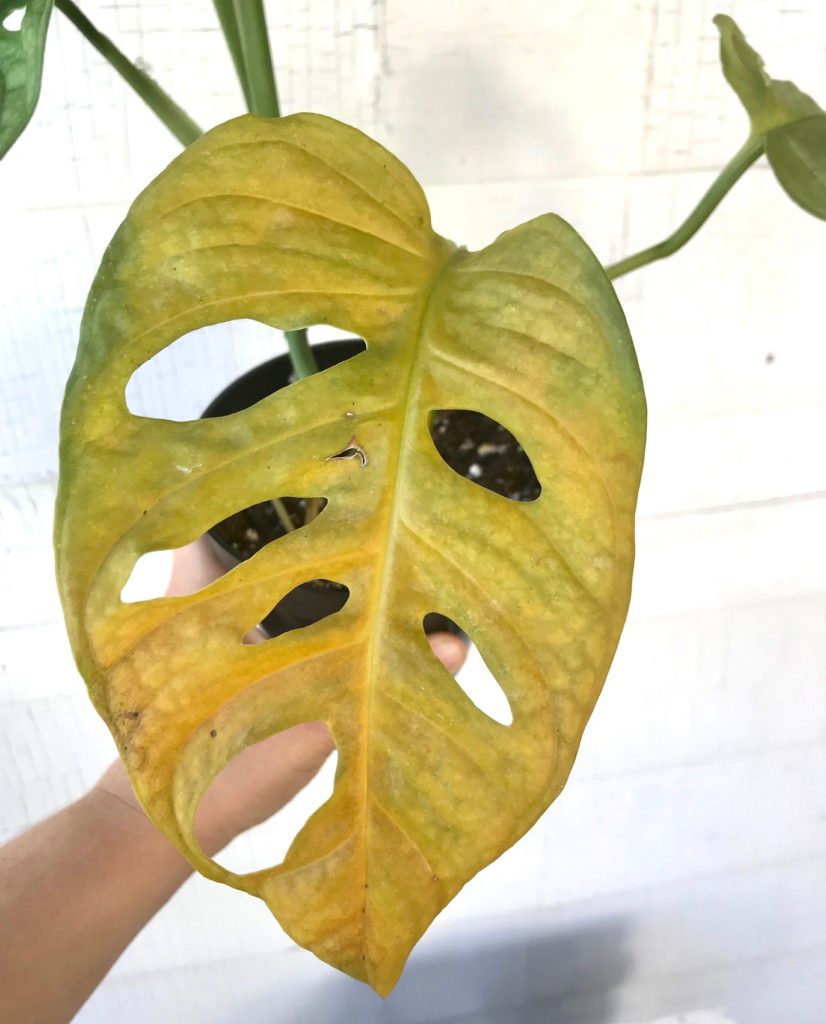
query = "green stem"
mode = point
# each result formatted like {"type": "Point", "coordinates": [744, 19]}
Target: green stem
{"type": "Point", "coordinates": [229, 26]}
{"type": "Point", "coordinates": [283, 515]}
{"type": "Point", "coordinates": [301, 353]}
{"type": "Point", "coordinates": [734, 169]}
{"type": "Point", "coordinates": [255, 48]}
{"type": "Point", "coordinates": [262, 98]}
{"type": "Point", "coordinates": [176, 120]}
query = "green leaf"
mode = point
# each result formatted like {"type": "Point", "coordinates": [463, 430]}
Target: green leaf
{"type": "Point", "coordinates": [21, 66]}
{"type": "Point", "coordinates": [294, 222]}
{"type": "Point", "coordinates": [798, 156]}
{"type": "Point", "coordinates": [792, 123]}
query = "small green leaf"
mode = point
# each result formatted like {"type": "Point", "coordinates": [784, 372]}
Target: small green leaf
{"type": "Point", "coordinates": [792, 123]}
{"type": "Point", "coordinates": [21, 66]}
{"type": "Point", "coordinates": [798, 157]}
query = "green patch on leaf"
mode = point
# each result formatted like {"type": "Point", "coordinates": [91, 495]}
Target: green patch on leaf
{"type": "Point", "coordinates": [792, 123]}
{"type": "Point", "coordinates": [21, 65]}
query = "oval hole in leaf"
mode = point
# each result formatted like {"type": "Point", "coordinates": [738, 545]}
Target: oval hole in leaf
{"type": "Point", "coordinates": [475, 678]}
{"type": "Point", "coordinates": [14, 20]}
{"type": "Point", "coordinates": [304, 605]}
{"type": "Point", "coordinates": [266, 845]}
{"type": "Point", "coordinates": [215, 369]}
{"type": "Point", "coordinates": [238, 537]}
{"type": "Point", "coordinates": [482, 450]}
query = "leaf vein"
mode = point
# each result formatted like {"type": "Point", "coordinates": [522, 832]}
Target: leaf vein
{"type": "Point", "coordinates": [453, 740]}
{"type": "Point", "coordinates": [380, 807]}
{"type": "Point", "coordinates": [299, 868]}
{"type": "Point", "coordinates": [334, 170]}
{"type": "Point", "coordinates": [535, 339]}
{"type": "Point", "coordinates": [291, 206]}
{"type": "Point", "coordinates": [537, 280]}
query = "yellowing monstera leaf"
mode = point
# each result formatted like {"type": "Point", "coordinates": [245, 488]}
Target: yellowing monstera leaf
{"type": "Point", "coordinates": [21, 65]}
{"type": "Point", "coordinates": [791, 123]}
{"type": "Point", "coordinates": [296, 222]}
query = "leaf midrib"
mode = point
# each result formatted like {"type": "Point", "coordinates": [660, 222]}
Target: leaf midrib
{"type": "Point", "coordinates": [411, 398]}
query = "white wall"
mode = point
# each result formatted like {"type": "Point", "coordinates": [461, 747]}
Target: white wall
{"type": "Point", "coordinates": [683, 870]}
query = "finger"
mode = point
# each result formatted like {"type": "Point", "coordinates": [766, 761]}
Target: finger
{"type": "Point", "coordinates": [194, 567]}
{"type": "Point", "coordinates": [451, 650]}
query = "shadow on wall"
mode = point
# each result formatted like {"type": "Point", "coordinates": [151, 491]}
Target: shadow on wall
{"type": "Point", "coordinates": [494, 973]}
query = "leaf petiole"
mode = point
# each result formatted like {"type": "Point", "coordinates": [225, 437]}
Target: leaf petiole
{"type": "Point", "coordinates": [734, 169]}
{"type": "Point", "coordinates": [174, 117]}
{"type": "Point", "coordinates": [301, 354]}
{"type": "Point", "coordinates": [254, 40]}
{"type": "Point", "coordinates": [225, 9]}
{"type": "Point", "coordinates": [245, 27]}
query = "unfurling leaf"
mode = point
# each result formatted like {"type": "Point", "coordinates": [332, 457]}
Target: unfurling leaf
{"type": "Point", "coordinates": [793, 125]}
{"type": "Point", "coordinates": [295, 222]}
{"type": "Point", "coordinates": [21, 65]}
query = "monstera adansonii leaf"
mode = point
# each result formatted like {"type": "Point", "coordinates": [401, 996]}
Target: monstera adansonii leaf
{"type": "Point", "coordinates": [21, 65]}
{"type": "Point", "coordinates": [792, 125]}
{"type": "Point", "coordinates": [301, 221]}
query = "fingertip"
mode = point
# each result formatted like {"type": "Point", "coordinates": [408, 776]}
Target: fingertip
{"type": "Point", "coordinates": [451, 650]}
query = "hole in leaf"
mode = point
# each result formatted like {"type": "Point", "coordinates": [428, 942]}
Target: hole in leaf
{"type": "Point", "coordinates": [482, 450]}
{"type": "Point", "coordinates": [14, 20]}
{"type": "Point", "coordinates": [240, 361]}
{"type": "Point", "coordinates": [182, 379]}
{"type": "Point", "coordinates": [245, 787]}
{"type": "Point", "coordinates": [233, 540]}
{"type": "Point", "coordinates": [474, 677]}
{"type": "Point", "coordinates": [304, 605]}
{"type": "Point", "coordinates": [247, 531]}
{"type": "Point", "coordinates": [149, 577]}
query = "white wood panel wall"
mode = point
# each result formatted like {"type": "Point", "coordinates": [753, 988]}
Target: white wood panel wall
{"type": "Point", "coordinates": [683, 870]}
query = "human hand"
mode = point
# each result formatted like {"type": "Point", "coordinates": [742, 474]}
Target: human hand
{"type": "Point", "coordinates": [264, 777]}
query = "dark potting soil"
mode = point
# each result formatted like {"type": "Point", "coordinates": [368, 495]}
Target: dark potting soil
{"type": "Point", "coordinates": [247, 531]}
{"type": "Point", "coordinates": [485, 452]}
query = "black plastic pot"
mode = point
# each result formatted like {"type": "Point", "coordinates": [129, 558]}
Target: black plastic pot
{"type": "Point", "coordinates": [318, 598]}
